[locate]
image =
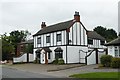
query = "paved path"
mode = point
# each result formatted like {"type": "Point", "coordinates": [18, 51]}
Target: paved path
{"type": "Point", "coordinates": [42, 69]}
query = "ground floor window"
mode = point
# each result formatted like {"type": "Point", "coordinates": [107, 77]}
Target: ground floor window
{"type": "Point", "coordinates": [117, 51]}
{"type": "Point", "coordinates": [58, 55]}
{"type": "Point", "coordinates": [49, 56]}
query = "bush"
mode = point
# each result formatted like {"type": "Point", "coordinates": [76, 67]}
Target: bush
{"type": "Point", "coordinates": [115, 63]}
{"type": "Point", "coordinates": [106, 60]}
{"type": "Point", "coordinates": [55, 61]}
{"type": "Point", "coordinates": [58, 61]}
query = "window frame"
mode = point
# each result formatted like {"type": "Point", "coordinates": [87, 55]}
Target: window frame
{"type": "Point", "coordinates": [39, 40]}
{"type": "Point", "coordinates": [59, 37]}
{"type": "Point", "coordinates": [48, 39]}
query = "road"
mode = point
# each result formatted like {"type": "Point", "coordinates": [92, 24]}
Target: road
{"type": "Point", "coordinates": [14, 73]}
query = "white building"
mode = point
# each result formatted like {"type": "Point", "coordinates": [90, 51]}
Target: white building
{"type": "Point", "coordinates": [114, 47]}
{"type": "Point", "coordinates": [69, 40]}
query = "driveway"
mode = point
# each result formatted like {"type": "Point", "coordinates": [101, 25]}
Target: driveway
{"type": "Point", "coordinates": [43, 69]}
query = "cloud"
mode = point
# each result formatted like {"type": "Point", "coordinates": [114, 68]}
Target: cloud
{"type": "Point", "coordinates": [28, 14]}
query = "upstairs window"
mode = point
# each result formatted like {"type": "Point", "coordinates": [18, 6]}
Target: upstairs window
{"type": "Point", "coordinates": [47, 39]}
{"type": "Point", "coordinates": [58, 37]}
{"type": "Point", "coordinates": [90, 41]}
{"type": "Point", "coordinates": [116, 52]}
{"type": "Point", "coordinates": [102, 42]}
{"type": "Point", "coordinates": [39, 40]}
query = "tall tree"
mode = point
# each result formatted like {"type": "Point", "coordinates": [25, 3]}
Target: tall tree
{"type": "Point", "coordinates": [7, 47]}
{"type": "Point", "coordinates": [17, 37]}
{"type": "Point", "coordinates": [108, 34]}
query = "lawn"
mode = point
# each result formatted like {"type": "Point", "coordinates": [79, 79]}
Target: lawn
{"type": "Point", "coordinates": [98, 75]}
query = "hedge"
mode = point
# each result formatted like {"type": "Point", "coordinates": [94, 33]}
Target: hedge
{"type": "Point", "coordinates": [115, 63]}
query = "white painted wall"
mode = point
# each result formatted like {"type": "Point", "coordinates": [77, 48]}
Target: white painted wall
{"type": "Point", "coordinates": [23, 58]}
{"type": "Point", "coordinates": [78, 34]}
{"type": "Point", "coordinates": [92, 58]}
{"type": "Point", "coordinates": [96, 44]}
{"type": "Point", "coordinates": [111, 51]}
{"type": "Point", "coordinates": [74, 56]}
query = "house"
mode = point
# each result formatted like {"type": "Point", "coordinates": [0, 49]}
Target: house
{"type": "Point", "coordinates": [69, 40]}
{"type": "Point", "coordinates": [21, 47]}
{"type": "Point", "coordinates": [114, 47]}
{"type": "Point", "coordinates": [24, 52]}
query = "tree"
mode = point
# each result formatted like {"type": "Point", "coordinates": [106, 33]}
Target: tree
{"type": "Point", "coordinates": [7, 47]}
{"type": "Point", "coordinates": [108, 34]}
{"type": "Point", "coordinates": [17, 37]}
{"type": "Point", "coordinates": [100, 30]}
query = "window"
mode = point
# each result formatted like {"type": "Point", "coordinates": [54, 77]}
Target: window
{"type": "Point", "coordinates": [58, 37]}
{"type": "Point", "coordinates": [39, 40]}
{"type": "Point", "coordinates": [116, 52]}
{"type": "Point", "coordinates": [58, 55]}
{"type": "Point", "coordinates": [49, 55]}
{"type": "Point", "coordinates": [90, 41]}
{"type": "Point", "coordinates": [102, 42]}
{"type": "Point", "coordinates": [47, 39]}
{"type": "Point", "coordinates": [119, 51]}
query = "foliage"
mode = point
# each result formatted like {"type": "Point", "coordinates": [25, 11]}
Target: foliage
{"type": "Point", "coordinates": [55, 61]}
{"type": "Point", "coordinates": [97, 76]}
{"type": "Point", "coordinates": [9, 43]}
{"type": "Point", "coordinates": [17, 37]}
{"type": "Point", "coordinates": [108, 34]}
{"type": "Point", "coordinates": [7, 47]}
{"type": "Point", "coordinates": [115, 63]}
{"type": "Point", "coordinates": [58, 61]}
{"type": "Point", "coordinates": [106, 60]}
{"type": "Point", "coordinates": [29, 48]}
{"type": "Point", "coordinates": [61, 61]}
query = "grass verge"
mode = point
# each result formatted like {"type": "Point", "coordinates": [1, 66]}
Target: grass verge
{"type": "Point", "coordinates": [98, 76]}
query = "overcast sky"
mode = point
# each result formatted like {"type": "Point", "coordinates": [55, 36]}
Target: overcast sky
{"type": "Point", "coordinates": [28, 14]}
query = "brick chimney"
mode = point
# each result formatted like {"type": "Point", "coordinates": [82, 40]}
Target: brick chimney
{"type": "Point", "coordinates": [43, 25]}
{"type": "Point", "coordinates": [77, 16]}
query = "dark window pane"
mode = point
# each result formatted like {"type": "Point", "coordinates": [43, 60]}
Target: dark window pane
{"type": "Point", "coordinates": [90, 41]}
{"type": "Point", "coordinates": [47, 39]}
{"type": "Point", "coordinates": [58, 37]}
{"type": "Point", "coordinates": [39, 40]}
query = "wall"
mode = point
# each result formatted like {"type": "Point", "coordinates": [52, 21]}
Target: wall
{"type": "Point", "coordinates": [77, 35]}
{"type": "Point", "coordinates": [74, 55]}
{"type": "Point", "coordinates": [111, 50]}
{"type": "Point", "coordinates": [53, 41]}
{"type": "Point", "coordinates": [23, 58]}
{"type": "Point", "coordinates": [96, 44]}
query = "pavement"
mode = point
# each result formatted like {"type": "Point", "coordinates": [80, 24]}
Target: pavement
{"type": "Point", "coordinates": [62, 71]}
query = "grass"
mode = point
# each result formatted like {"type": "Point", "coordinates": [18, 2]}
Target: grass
{"type": "Point", "coordinates": [98, 75]}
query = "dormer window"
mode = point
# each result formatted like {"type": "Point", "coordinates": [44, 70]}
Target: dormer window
{"type": "Point", "coordinates": [90, 41]}
{"type": "Point", "coordinates": [47, 39]}
{"type": "Point", "coordinates": [39, 40]}
{"type": "Point", "coordinates": [58, 37]}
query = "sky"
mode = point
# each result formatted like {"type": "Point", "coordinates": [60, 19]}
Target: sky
{"type": "Point", "coordinates": [29, 14]}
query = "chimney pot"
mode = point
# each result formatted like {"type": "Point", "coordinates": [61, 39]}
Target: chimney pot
{"type": "Point", "coordinates": [77, 16]}
{"type": "Point", "coordinates": [43, 25]}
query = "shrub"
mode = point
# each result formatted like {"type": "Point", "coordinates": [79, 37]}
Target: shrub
{"type": "Point", "coordinates": [106, 60]}
{"type": "Point", "coordinates": [115, 63]}
{"type": "Point", "coordinates": [60, 61]}
{"type": "Point", "coordinates": [55, 61]}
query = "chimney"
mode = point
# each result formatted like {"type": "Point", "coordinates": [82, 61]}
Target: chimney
{"type": "Point", "coordinates": [77, 16]}
{"type": "Point", "coordinates": [43, 25]}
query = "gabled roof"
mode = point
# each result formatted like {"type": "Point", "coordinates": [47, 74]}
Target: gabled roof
{"type": "Point", "coordinates": [115, 42]}
{"type": "Point", "coordinates": [27, 42]}
{"type": "Point", "coordinates": [95, 35]}
{"type": "Point", "coordinates": [55, 27]}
